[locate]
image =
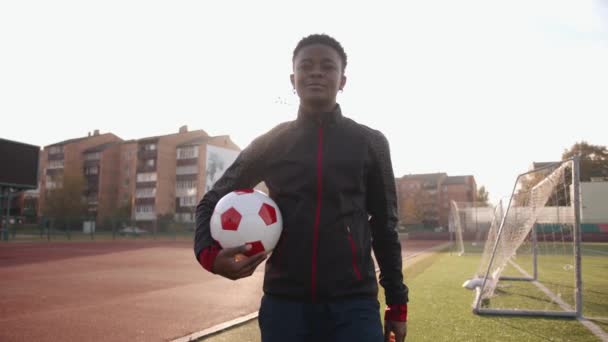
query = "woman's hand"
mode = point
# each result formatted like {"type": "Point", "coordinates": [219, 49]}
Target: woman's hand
{"type": "Point", "coordinates": [233, 264]}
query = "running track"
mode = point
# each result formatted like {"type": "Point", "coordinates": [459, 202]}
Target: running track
{"type": "Point", "coordinates": [119, 291]}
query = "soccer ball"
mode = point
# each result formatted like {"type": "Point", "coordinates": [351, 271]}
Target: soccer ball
{"type": "Point", "coordinates": [247, 217]}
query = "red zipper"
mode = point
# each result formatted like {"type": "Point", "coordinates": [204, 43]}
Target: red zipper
{"type": "Point", "coordinates": [353, 250]}
{"type": "Point", "coordinates": [315, 237]}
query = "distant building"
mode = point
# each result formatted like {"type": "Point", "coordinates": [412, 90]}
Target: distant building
{"type": "Point", "coordinates": [80, 156]}
{"type": "Point", "coordinates": [424, 199]}
{"type": "Point", "coordinates": [148, 177]}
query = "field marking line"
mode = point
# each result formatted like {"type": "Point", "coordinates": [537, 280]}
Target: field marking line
{"type": "Point", "coordinates": [249, 317]}
{"type": "Point", "coordinates": [594, 251]}
{"type": "Point", "coordinates": [596, 330]}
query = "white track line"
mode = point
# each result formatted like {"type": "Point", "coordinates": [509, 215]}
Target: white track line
{"type": "Point", "coordinates": [596, 330]}
{"type": "Point", "coordinates": [246, 318]}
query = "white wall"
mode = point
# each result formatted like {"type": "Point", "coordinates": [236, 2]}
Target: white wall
{"type": "Point", "coordinates": [594, 202]}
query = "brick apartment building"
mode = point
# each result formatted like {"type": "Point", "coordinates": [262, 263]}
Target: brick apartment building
{"type": "Point", "coordinates": [80, 156]}
{"type": "Point", "coordinates": [424, 199]}
{"type": "Point", "coordinates": [160, 175]}
{"type": "Point", "coordinates": [171, 173]}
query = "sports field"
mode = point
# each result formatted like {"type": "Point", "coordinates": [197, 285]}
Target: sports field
{"type": "Point", "coordinates": [440, 308]}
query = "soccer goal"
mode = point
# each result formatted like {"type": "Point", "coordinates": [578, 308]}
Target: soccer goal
{"type": "Point", "coordinates": [469, 224]}
{"type": "Point", "coordinates": [531, 265]}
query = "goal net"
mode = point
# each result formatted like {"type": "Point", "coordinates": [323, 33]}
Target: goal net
{"type": "Point", "coordinates": [469, 224]}
{"type": "Point", "coordinates": [531, 259]}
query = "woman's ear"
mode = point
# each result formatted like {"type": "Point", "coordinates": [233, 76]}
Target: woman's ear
{"type": "Point", "coordinates": [342, 82]}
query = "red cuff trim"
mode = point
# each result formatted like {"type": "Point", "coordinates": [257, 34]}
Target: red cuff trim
{"type": "Point", "coordinates": [207, 257]}
{"type": "Point", "coordinates": [396, 312]}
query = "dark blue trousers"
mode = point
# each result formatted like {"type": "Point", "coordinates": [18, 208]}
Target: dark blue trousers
{"type": "Point", "coordinates": [344, 321]}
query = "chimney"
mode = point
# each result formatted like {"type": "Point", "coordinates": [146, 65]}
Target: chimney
{"type": "Point", "coordinates": [88, 134]}
{"type": "Point", "coordinates": [183, 129]}
{"type": "Point", "coordinates": [96, 132]}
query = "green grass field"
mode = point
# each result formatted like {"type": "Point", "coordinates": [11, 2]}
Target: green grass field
{"type": "Point", "coordinates": [440, 309]}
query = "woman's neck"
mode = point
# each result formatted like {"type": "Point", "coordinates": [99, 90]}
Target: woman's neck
{"type": "Point", "coordinates": [317, 108]}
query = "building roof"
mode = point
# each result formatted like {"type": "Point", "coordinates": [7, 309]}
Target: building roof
{"type": "Point", "coordinates": [69, 141]}
{"type": "Point", "coordinates": [101, 147]}
{"type": "Point", "coordinates": [425, 176]}
{"type": "Point", "coordinates": [456, 180]}
{"type": "Point", "coordinates": [74, 140]}
{"type": "Point", "coordinates": [156, 137]}
{"type": "Point", "coordinates": [194, 141]}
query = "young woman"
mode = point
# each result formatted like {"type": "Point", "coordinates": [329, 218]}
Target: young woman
{"type": "Point", "coordinates": [332, 179]}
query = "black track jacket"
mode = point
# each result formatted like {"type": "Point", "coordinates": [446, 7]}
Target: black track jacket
{"type": "Point", "coordinates": [333, 181]}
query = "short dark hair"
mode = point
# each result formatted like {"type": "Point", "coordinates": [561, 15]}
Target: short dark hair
{"type": "Point", "coordinates": [324, 40]}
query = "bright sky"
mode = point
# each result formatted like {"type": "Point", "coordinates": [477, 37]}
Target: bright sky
{"type": "Point", "coordinates": [463, 87]}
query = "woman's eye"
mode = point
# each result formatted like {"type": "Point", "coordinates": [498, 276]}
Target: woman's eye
{"type": "Point", "coordinates": [305, 66]}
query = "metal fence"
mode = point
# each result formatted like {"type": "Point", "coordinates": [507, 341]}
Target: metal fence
{"type": "Point", "coordinates": [87, 228]}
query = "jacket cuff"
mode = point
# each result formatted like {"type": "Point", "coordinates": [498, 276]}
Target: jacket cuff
{"type": "Point", "coordinates": [396, 312]}
{"type": "Point", "coordinates": [207, 257]}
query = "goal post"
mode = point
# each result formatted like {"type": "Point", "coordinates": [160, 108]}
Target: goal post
{"type": "Point", "coordinates": [469, 224]}
{"type": "Point", "coordinates": [531, 265]}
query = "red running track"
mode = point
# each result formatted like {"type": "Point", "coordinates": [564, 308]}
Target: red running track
{"type": "Point", "coordinates": [118, 291]}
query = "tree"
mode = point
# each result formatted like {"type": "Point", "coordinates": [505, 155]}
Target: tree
{"type": "Point", "coordinates": [482, 197]}
{"type": "Point", "coordinates": [412, 212]}
{"type": "Point", "coordinates": [594, 159]}
{"type": "Point", "coordinates": [66, 201]}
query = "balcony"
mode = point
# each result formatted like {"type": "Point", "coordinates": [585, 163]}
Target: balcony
{"type": "Point", "coordinates": [145, 216]}
{"type": "Point", "coordinates": [143, 185]}
{"type": "Point", "coordinates": [186, 170]}
{"type": "Point", "coordinates": [147, 154]}
{"type": "Point", "coordinates": [145, 201]}
{"type": "Point", "coordinates": [143, 167]}
{"type": "Point", "coordinates": [185, 192]}
{"type": "Point", "coordinates": [55, 156]}
{"type": "Point", "coordinates": [54, 172]}
{"type": "Point", "coordinates": [191, 161]}
{"type": "Point", "coordinates": [187, 177]}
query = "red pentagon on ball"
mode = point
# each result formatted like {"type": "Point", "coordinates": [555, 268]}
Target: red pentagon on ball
{"type": "Point", "coordinates": [231, 219]}
{"type": "Point", "coordinates": [268, 214]}
{"type": "Point", "coordinates": [256, 247]}
{"type": "Point", "coordinates": [243, 191]}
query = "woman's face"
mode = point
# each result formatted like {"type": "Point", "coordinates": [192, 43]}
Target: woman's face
{"type": "Point", "coordinates": [317, 75]}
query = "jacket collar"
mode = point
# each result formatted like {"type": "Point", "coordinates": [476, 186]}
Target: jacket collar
{"type": "Point", "coordinates": [320, 118]}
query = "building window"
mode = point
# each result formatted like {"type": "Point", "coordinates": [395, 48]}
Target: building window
{"type": "Point", "coordinates": [150, 147]}
{"type": "Point", "coordinates": [145, 193]}
{"type": "Point", "coordinates": [188, 201]}
{"type": "Point", "coordinates": [127, 182]}
{"type": "Point", "coordinates": [55, 149]}
{"type": "Point", "coordinates": [144, 208]}
{"type": "Point", "coordinates": [187, 184]}
{"type": "Point", "coordinates": [186, 170]}
{"type": "Point", "coordinates": [91, 170]}
{"type": "Point", "coordinates": [92, 198]}
{"type": "Point", "coordinates": [55, 164]}
{"type": "Point", "coordinates": [92, 156]}
{"type": "Point", "coordinates": [146, 177]}
{"type": "Point", "coordinates": [187, 152]}
{"type": "Point", "coordinates": [150, 162]}
{"type": "Point", "coordinates": [53, 182]}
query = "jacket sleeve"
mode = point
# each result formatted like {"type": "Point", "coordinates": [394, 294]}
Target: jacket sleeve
{"type": "Point", "coordinates": [245, 172]}
{"type": "Point", "coordinates": [382, 208]}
